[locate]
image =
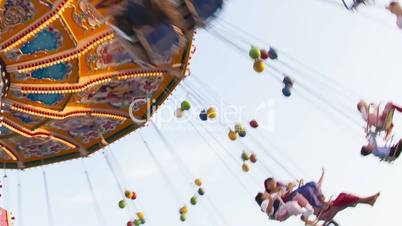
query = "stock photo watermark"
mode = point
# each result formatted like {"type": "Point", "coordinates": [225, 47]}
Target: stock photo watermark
{"type": "Point", "coordinates": [227, 115]}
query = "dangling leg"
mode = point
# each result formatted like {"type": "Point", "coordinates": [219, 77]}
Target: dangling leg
{"type": "Point", "coordinates": [388, 108]}
{"type": "Point", "coordinates": [312, 193]}
{"type": "Point", "coordinates": [371, 200]}
{"type": "Point", "coordinates": [345, 200]}
{"type": "Point", "coordinates": [321, 180]}
{"type": "Point", "coordinates": [302, 201]}
{"type": "Point", "coordinates": [397, 107]}
{"type": "Point", "coordinates": [294, 209]}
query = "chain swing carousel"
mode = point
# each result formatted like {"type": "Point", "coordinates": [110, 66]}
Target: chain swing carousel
{"type": "Point", "coordinates": [74, 73]}
{"type": "Point", "coordinates": [68, 79]}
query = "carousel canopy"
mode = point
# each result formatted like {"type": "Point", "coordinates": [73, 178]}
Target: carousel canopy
{"type": "Point", "coordinates": [68, 82]}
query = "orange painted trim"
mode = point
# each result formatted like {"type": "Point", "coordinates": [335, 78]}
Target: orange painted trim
{"type": "Point", "coordinates": [8, 152]}
{"type": "Point", "coordinates": [27, 133]}
{"type": "Point", "coordinates": [81, 87]}
{"type": "Point", "coordinates": [58, 115]}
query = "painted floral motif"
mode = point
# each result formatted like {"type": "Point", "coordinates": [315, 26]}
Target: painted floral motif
{"type": "Point", "coordinates": [85, 16]}
{"type": "Point", "coordinates": [58, 72]}
{"type": "Point", "coordinates": [25, 118]}
{"type": "Point", "coordinates": [38, 146]}
{"type": "Point", "coordinates": [16, 12]}
{"type": "Point", "coordinates": [120, 94]}
{"type": "Point", "coordinates": [108, 54]}
{"type": "Point", "coordinates": [19, 117]}
{"type": "Point", "coordinates": [46, 99]}
{"type": "Point", "coordinates": [86, 128]}
{"type": "Point", "coordinates": [48, 39]}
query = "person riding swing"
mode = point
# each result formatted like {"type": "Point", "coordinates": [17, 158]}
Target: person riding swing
{"type": "Point", "coordinates": [324, 210]}
{"type": "Point", "coordinates": [387, 152]}
{"type": "Point", "coordinates": [380, 121]}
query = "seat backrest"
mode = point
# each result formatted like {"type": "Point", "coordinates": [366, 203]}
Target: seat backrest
{"type": "Point", "coordinates": [160, 42]}
{"type": "Point", "coordinates": [389, 119]}
{"type": "Point", "coordinates": [390, 159]}
{"type": "Point", "coordinates": [207, 8]}
{"type": "Point", "coordinates": [332, 222]}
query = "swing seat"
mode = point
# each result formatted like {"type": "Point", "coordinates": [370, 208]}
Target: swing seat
{"type": "Point", "coordinates": [288, 81]}
{"type": "Point", "coordinates": [286, 91]}
{"type": "Point", "coordinates": [331, 222]}
{"type": "Point", "coordinates": [196, 13]}
{"type": "Point", "coordinates": [390, 159]}
{"type": "Point", "coordinates": [388, 120]}
{"type": "Point", "coordinates": [393, 157]}
{"type": "Point", "coordinates": [206, 8]}
{"type": "Point", "coordinates": [162, 39]}
{"type": "Point", "coordinates": [203, 10]}
{"type": "Point", "coordinates": [273, 54]}
{"type": "Point", "coordinates": [138, 14]}
{"type": "Point", "coordinates": [387, 125]}
{"type": "Point", "coordinates": [147, 33]}
{"type": "Point", "coordinates": [151, 45]}
{"type": "Point", "coordinates": [353, 5]}
{"type": "Point", "coordinates": [327, 222]}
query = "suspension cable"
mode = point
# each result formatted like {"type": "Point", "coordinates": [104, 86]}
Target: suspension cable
{"type": "Point", "coordinates": [185, 169]}
{"type": "Point", "coordinates": [195, 93]}
{"type": "Point", "coordinates": [5, 189]}
{"type": "Point", "coordinates": [97, 209]}
{"type": "Point", "coordinates": [228, 153]}
{"type": "Point", "coordinates": [169, 183]}
{"type": "Point", "coordinates": [265, 137]}
{"type": "Point", "coordinates": [20, 207]}
{"type": "Point", "coordinates": [47, 197]}
{"type": "Point", "coordinates": [225, 163]}
{"type": "Point", "coordinates": [215, 151]}
{"type": "Point", "coordinates": [341, 90]}
{"type": "Point", "coordinates": [261, 147]}
{"type": "Point", "coordinates": [122, 174]}
{"type": "Point", "coordinates": [301, 84]}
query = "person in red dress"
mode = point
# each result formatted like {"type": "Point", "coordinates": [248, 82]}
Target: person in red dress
{"type": "Point", "coordinates": [324, 210]}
